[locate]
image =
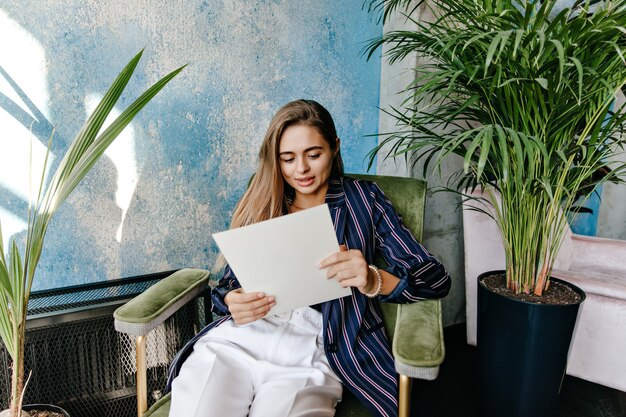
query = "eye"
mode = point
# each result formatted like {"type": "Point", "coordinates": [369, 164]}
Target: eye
{"type": "Point", "coordinates": [287, 160]}
{"type": "Point", "coordinates": [314, 156]}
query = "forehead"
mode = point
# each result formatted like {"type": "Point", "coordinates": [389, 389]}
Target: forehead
{"type": "Point", "coordinates": [301, 137]}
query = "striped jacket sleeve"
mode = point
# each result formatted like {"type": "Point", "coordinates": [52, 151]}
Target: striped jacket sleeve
{"type": "Point", "coordinates": [421, 275]}
{"type": "Point", "coordinates": [227, 283]}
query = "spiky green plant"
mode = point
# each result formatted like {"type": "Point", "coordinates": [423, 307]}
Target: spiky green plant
{"type": "Point", "coordinates": [17, 272]}
{"type": "Point", "coordinates": [522, 93]}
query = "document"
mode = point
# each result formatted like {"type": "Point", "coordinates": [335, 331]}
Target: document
{"type": "Point", "coordinates": [280, 257]}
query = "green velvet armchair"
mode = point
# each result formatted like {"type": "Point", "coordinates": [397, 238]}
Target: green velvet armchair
{"type": "Point", "coordinates": [415, 330]}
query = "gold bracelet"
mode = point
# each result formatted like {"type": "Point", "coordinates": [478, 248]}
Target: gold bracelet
{"type": "Point", "coordinates": [379, 279]}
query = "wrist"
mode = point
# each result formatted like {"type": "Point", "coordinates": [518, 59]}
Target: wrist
{"type": "Point", "coordinates": [237, 290]}
{"type": "Point", "coordinates": [378, 282]}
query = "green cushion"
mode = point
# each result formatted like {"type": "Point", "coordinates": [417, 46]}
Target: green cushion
{"type": "Point", "coordinates": [160, 408]}
{"type": "Point", "coordinates": [156, 299]}
{"type": "Point", "coordinates": [418, 338]}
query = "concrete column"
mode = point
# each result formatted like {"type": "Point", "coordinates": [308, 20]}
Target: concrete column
{"type": "Point", "coordinates": [443, 223]}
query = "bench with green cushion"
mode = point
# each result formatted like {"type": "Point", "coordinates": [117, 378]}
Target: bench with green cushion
{"type": "Point", "coordinates": [415, 329]}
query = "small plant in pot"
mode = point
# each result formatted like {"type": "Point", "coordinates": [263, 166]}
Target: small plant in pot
{"type": "Point", "coordinates": [17, 270]}
{"type": "Point", "coordinates": [521, 92]}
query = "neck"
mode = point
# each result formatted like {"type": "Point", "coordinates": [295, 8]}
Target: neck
{"type": "Point", "coordinates": [307, 201]}
{"type": "Point", "coordinates": [303, 203]}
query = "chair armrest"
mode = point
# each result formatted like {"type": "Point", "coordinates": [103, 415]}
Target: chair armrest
{"type": "Point", "coordinates": [149, 309]}
{"type": "Point", "coordinates": [418, 346]}
{"type": "Point", "coordinates": [161, 408]}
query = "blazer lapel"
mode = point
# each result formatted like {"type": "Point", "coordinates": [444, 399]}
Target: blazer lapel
{"type": "Point", "coordinates": [336, 200]}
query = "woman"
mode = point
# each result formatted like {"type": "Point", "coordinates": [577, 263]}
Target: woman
{"type": "Point", "coordinates": [258, 364]}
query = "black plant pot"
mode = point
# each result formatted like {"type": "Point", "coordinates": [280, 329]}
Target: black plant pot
{"type": "Point", "coordinates": [522, 351]}
{"type": "Point", "coordinates": [45, 407]}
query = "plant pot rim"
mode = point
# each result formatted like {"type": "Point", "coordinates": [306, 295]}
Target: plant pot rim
{"type": "Point", "coordinates": [45, 407]}
{"type": "Point", "coordinates": [576, 289]}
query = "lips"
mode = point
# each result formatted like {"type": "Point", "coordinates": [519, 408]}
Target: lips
{"type": "Point", "coordinates": [305, 182]}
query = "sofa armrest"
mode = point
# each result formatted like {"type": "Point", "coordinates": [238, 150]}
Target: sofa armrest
{"type": "Point", "coordinates": [148, 310]}
{"type": "Point", "coordinates": [418, 346]}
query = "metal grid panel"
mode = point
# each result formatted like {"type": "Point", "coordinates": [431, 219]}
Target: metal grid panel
{"type": "Point", "coordinates": [89, 369]}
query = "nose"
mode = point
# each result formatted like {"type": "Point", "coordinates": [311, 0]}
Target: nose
{"type": "Point", "coordinates": [303, 165]}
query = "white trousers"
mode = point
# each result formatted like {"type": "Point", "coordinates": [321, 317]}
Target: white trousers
{"type": "Point", "coordinates": [274, 367]}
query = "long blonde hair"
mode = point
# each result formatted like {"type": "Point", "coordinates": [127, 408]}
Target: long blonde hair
{"type": "Point", "coordinates": [268, 194]}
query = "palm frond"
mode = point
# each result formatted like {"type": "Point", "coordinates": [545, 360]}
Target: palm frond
{"type": "Point", "coordinates": [17, 273]}
{"type": "Point", "coordinates": [521, 92]}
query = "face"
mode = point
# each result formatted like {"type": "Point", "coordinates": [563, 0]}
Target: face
{"type": "Point", "coordinates": [306, 163]}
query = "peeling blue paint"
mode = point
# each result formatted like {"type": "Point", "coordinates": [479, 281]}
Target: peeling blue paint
{"type": "Point", "coordinates": [196, 144]}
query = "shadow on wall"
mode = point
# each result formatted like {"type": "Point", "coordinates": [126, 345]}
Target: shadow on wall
{"type": "Point", "coordinates": [89, 229]}
{"type": "Point", "coordinates": [193, 148]}
{"type": "Point", "coordinates": [30, 128]}
{"type": "Point", "coordinates": [27, 132]}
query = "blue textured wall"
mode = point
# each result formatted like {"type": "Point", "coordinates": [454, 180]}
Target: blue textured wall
{"type": "Point", "coordinates": [152, 203]}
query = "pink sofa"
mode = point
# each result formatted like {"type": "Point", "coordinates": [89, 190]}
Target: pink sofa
{"type": "Point", "coordinates": [596, 265]}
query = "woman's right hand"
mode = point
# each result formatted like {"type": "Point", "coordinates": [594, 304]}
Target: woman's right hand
{"type": "Point", "coordinates": [248, 307]}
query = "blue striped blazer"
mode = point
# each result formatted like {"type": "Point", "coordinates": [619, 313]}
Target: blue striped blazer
{"type": "Point", "coordinates": [354, 337]}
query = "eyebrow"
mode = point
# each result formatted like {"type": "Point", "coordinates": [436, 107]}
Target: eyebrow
{"type": "Point", "coordinates": [312, 148]}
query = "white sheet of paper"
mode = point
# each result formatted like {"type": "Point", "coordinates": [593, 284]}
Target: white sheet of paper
{"type": "Point", "coordinates": [280, 257]}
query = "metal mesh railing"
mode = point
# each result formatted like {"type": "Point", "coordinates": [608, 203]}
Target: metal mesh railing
{"type": "Point", "coordinates": [84, 365]}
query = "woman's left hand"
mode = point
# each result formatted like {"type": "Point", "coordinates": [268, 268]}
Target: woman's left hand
{"type": "Point", "coordinates": [350, 269]}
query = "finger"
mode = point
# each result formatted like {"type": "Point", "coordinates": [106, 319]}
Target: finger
{"type": "Point", "coordinates": [334, 258]}
{"type": "Point", "coordinates": [335, 269]}
{"type": "Point", "coordinates": [345, 275]}
{"type": "Point", "coordinates": [247, 297]}
{"type": "Point", "coordinates": [252, 312]}
{"type": "Point", "coordinates": [348, 279]}
{"type": "Point", "coordinates": [250, 305]}
{"type": "Point", "coordinates": [349, 282]}
{"type": "Point", "coordinates": [355, 265]}
{"type": "Point", "coordinates": [249, 317]}
{"type": "Point", "coordinates": [244, 297]}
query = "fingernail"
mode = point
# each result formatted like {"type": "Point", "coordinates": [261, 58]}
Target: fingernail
{"type": "Point", "coordinates": [270, 299]}
{"type": "Point", "coordinates": [261, 295]}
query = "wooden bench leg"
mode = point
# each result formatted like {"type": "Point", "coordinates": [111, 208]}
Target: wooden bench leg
{"type": "Point", "coordinates": [142, 382]}
{"type": "Point", "coordinates": [404, 403]}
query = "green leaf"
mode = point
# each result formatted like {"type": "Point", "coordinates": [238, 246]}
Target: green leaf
{"type": "Point", "coordinates": [519, 34]}
{"type": "Point", "coordinates": [561, 54]}
{"type": "Point", "coordinates": [504, 153]}
{"type": "Point", "coordinates": [6, 330]}
{"type": "Point", "coordinates": [491, 51]}
{"type": "Point", "coordinates": [16, 280]}
{"type": "Point", "coordinates": [87, 134]}
{"type": "Point", "coordinates": [95, 151]}
{"type": "Point", "coordinates": [16, 275]}
{"type": "Point", "coordinates": [484, 151]}
{"type": "Point", "coordinates": [542, 82]}
{"type": "Point", "coordinates": [579, 69]}
{"type": "Point", "coordinates": [5, 283]}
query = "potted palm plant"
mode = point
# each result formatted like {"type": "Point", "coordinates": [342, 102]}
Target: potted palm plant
{"type": "Point", "coordinates": [522, 93]}
{"type": "Point", "coordinates": [17, 271]}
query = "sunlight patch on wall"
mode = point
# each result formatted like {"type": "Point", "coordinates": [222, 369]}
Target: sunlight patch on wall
{"type": "Point", "coordinates": [11, 225]}
{"type": "Point", "coordinates": [24, 59]}
{"type": "Point", "coordinates": [23, 113]}
{"type": "Point", "coordinates": [122, 154]}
